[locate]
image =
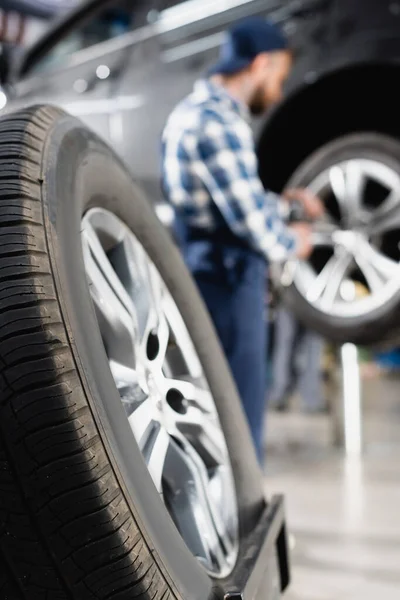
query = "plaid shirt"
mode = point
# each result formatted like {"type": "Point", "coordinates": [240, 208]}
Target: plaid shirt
{"type": "Point", "coordinates": [210, 172]}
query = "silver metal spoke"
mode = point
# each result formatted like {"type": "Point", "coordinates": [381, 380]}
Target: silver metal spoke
{"type": "Point", "coordinates": [134, 268]}
{"type": "Point", "coordinates": [94, 250]}
{"type": "Point", "coordinates": [162, 332]}
{"type": "Point", "coordinates": [184, 473]}
{"type": "Point", "coordinates": [372, 277]}
{"type": "Point", "coordinates": [131, 385]}
{"type": "Point", "coordinates": [387, 216]}
{"type": "Point", "coordinates": [196, 421]}
{"type": "Point", "coordinates": [326, 286]}
{"type": "Point", "coordinates": [154, 452]}
{"type": "Point", "coordinates": [217, 508]}
{"type": "Point", "coordinates": [148, 292]}
{"type": "Point", "coordinates": [376, 268]}
{"type": "Point", "coordinates": [152, 438]}
{"type": "Point", "coordinates": [113, 306]}
{"type": "Point", "coordinates": [141, 420]}
{"type": "Point", "coordinates": [158, 325]}
{"type": "Point", "coordinates": [205, 436]}
{"type": "Point", "coordinates": [224, 505]}
{"type": "Point", "coordinates": [124, 376]}
{"type": "Point", "coordinates": [338, 184]}
{"type": "Point", "coordinates": [182, 337]}
{"type": "Point", "coordinates": [355, 182]}
{"type": "Point", "coordinates": [323, 233]}
{"type": "Point", "coordinates": [347, 183]}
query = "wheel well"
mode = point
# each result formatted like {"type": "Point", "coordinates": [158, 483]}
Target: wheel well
{"type": "Point", "coordinates": [358, 98]}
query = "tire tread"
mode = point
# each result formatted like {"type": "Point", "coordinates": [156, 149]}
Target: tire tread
{"type": "Point", "coordinates": [65, 527]}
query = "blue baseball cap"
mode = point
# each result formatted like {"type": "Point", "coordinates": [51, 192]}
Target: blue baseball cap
{"type": "Point", "coordinates": [245, 41]}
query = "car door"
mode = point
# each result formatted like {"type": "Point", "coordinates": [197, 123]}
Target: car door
{"type": "Point", "coordinates": [82, 71]}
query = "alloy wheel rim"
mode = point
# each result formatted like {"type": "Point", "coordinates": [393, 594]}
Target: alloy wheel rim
{"type": "Point", "coordinates": [359, 274]}
{"type": "Point", "coordinates": [163, 390]}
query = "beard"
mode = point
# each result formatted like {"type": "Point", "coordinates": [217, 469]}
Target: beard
{"type": "Point", "coordinates": [258, 103]}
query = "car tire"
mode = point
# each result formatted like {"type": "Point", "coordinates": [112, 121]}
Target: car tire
{"type": "Point", "coordinates": [380, 325]}
{"type": "Point", "coordinates": [80, 517]}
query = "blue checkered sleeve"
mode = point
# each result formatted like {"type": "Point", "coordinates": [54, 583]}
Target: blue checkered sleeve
{"type": "Point", "coordinates": [224, 158]}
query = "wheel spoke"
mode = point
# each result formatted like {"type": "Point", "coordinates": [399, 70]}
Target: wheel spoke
{"type": "Point", "coordinates": [376, 268]}
{"type": "Point", "coordinates": [387, 216]}
{"type": "Point", "coordinates": [162, 333]}
{"type": "Point", "coordinates": [133, 266]}
{"type": "Point", "coordinates": [355, 182]}
{"type": "Point", "coordinates": [152, 438]}
{"type": "Point", "coordinates": [214, 487]}
{"type": "Point", "coordinates": [148, 293]}
{"type": "Point", "coordinates": [131, 386]}
{"type": "Point", "coordinates": [205, 436]}
{"type": "Point", "coordinates": [181, 337]}
{"type": "Point", "coordinates": [347, 182]}
{"type": "Point", "coordinates": [338, 274]}
{"type": "Point", "coordinates": [323, 232]}
{"type": "Point", "coordinates": [338, 184]}
{"type": "Point", "coordinates": [195, 419]}
{"type": "Point", "coordinates": [188, 483]}
{"type": "Point", "coordinates": [154, 448]}
{"type": "Point", "coordinates": [372, 277]}
{"type": "Point", "coordinates": [327, 284]}
{"type": "Point", "coordinates": [158, 326]}
{"type": "Point", "coordinates": [141, 420]}
{"type": "Point", "coordinates": [114, 308]}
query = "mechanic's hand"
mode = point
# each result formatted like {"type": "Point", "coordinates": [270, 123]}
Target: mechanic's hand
{"type": "Point", "coordinates": [312, 205]}
{"type": "Point", "coordinates": [303, 233]}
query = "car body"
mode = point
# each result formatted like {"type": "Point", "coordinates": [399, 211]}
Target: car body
{"type": "Point", "coordinates": [126, 79]}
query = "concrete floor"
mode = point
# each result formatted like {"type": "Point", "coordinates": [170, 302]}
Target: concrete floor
{"type": "Point", "coordinates": [344, 514]}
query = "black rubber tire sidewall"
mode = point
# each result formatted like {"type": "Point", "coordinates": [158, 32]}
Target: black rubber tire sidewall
{"type": "Point", "coordinates": [380, 327]}
{"type": "Point", "coordinates": [80, 172]}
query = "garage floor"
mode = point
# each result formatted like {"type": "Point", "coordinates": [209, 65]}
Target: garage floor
{"type": "Point", "coordinates": [344, 514]}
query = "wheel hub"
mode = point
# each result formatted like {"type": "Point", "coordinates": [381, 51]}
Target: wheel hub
{"type": "Point", "coordinates": [163, 390]}
{"type": "Point", "coordinates": [351, 239]}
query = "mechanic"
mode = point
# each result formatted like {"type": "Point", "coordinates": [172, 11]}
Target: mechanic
{"type": "Point", "coordinates": [227, 225]}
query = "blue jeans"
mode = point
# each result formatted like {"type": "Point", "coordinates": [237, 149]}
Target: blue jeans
{"type": "Point", "coordinates": [294, 341]}
{"type": "Point", "coordinates": [232, 282]}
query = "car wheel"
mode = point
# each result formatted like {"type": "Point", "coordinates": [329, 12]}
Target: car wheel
{"type": "Point", "coordinates": [349, 290]}
{"type": "Point", "coordinates": [121, 475]}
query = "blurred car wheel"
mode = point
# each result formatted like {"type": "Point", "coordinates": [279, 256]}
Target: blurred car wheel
{"type": "Point", "coordinates": [349, 290]}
